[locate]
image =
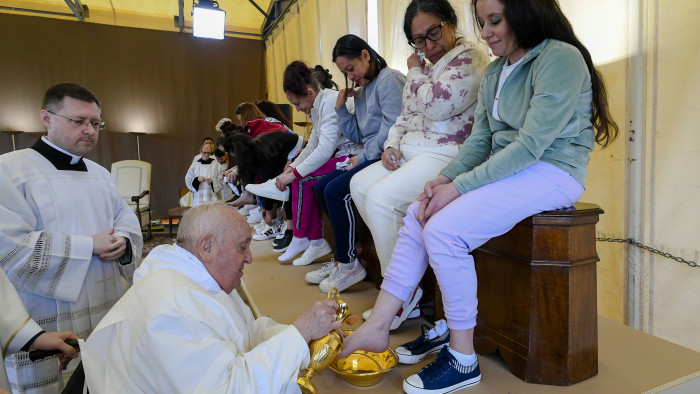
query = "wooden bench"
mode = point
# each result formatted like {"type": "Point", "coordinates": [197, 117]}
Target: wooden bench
{"type": "Point", "coordinates": [537, 294]}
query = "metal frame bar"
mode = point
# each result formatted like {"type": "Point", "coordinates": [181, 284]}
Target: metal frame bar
{"type": "Point", "coordinates": [77, 9]}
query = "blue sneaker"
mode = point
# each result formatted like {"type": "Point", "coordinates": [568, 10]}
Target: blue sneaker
{"type": "Point", "coordinates": [430, 341]}
{"type": "Point", "coordinates": [444, 375]}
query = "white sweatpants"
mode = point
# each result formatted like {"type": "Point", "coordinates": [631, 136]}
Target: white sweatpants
{"type": "Point", "coordinates": [382, 196]}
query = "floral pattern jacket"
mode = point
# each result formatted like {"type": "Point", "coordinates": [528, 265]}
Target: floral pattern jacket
{"type": "Point", "coordinates": [439, 100]}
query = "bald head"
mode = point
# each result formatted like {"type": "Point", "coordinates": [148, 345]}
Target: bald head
{"type": "Point", "coordinates": [219, 237]}
{"type": "Point", "coordinates": [208, 219]}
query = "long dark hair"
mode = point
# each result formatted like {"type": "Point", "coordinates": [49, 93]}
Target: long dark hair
{"type": "Point", "coordinates": [272, 110]}
{"type": "Point", "coordinates": [243, 152]}
{"type": "Point", "coordinates": [351, 46]}
{"type": "Point", "coordinates": [533, 21]}
{"type": "Point", "coordinates": [440, 8]}
{"type": "Point", "coordinates": [298, 76]}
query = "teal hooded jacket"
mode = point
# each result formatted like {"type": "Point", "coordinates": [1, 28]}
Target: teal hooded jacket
{"type": "Point", "coordinates": [545, 107]}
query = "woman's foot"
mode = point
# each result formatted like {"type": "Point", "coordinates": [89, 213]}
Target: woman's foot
{"type": "Point", "coordinates": [295, 247]}
{"type": "Point", "coordinates": [245, 198]}
{"type": "Point", "coordinates": [366, 337]}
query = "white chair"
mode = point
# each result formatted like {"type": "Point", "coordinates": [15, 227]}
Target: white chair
{"type": "Point", "coordinates": [133, 179]}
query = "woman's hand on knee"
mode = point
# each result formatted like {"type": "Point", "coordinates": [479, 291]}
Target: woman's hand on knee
{"type": "Point", "coordinates": [391, 159]}
{"type": "Point", "coordinates": [441, 196]}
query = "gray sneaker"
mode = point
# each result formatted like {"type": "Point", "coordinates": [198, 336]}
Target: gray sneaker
{"type": "Point", "coordinates": [341, 278]}
{"type": "Point", "coordinates": [320, 274]}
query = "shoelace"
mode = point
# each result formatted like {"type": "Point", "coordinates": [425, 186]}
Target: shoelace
{"type": "Point", "coordinates": [335, 274]}
{"type": "Point", "coordinates": [418, 342]}
{"type": "Point", "coordinates": [438, 367]}
{"type": "Point", "coordinates": [330, 265]}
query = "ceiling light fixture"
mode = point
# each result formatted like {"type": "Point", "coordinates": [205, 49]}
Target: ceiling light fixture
{"type": "Point", "coordinates": [208, 21]}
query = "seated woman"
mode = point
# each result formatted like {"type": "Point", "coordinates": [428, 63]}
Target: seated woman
{"type": "Point", "coordinates": [437, 114]}
{"type": "Point", "coordinates": [261, 159]}
{"type": "Point", "coordinates": [542, 106]}
{"type": "Point", "coordinates": [309, 90]}
{"type": "Point", "coordinates": [377, 104]}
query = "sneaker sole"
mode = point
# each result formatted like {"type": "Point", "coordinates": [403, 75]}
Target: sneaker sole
{"type": "Point", "coordinates": [416, 358]}
{"type": "Point", "coordinates": [280, 250]}
{"type": "Point", "coordinates": [410, 389]}
{"type": "Point", "coordinates": [413, 315]}
{"type": "Point", "coordinates": [313, 280]}
{"type": "Point", "coordinates": [355, 279]}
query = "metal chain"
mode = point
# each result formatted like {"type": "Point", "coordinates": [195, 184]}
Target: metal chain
{"type": "Point", "coordinates": [649, 249]}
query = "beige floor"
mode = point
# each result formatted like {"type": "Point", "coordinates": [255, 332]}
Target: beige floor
{"type": "Point", "coordinates": [629, 360]}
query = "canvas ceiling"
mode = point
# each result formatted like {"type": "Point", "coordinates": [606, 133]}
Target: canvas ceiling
{"type": "Point", "coordinates": [242, 18]}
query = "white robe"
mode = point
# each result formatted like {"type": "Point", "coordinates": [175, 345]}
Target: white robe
{"type": "Point", "coordinates": [176, 331]}
{"type": "Point", "coordinates": [16, 327]}
{"type": "Point", "coordinates": [204, 193]}
{"type": "Point", "coordinates": [47, 219]}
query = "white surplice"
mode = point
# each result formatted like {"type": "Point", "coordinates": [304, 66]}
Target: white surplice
{"type": "Point", "coordinates": [176, 331]}
{"type": "Point", "coordinates": [205, 191]}
{"type": "Point", "coordinates": [47, 219]}
{"type": "Point", "coordinates": [16, 327]}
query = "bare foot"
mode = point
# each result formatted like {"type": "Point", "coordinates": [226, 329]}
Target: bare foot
{"type": "Point", "coordinates": [366, 337]}
{"type": "Point", "coordinates": [245, 198]}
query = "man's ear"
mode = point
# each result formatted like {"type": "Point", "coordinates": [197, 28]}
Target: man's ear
{"type": "Point", "coordinates": [204, 248]}
{"type": "Point", "coordinates": [45, 118]}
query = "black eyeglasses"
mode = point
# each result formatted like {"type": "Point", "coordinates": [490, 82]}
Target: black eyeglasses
{"type": "Point", "coordinates": [433, 35]}
{"type": "Point", "coordinates": [96, 124]}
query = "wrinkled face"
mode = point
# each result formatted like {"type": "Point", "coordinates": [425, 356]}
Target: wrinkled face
{"type": "Point", "coordinates": [496, 31]}
{"type": "Point", "coordinates": [231, 251]}
{"type": "Point", "coordinates": [77, 140]}
{"type": "Point", "coordinates": [302, 103]}
{"type": "Point", "coordinates": [355, 69]}
{"type": "Point", "coordinates": [426, 27]}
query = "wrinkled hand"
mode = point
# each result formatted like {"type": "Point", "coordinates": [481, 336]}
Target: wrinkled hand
{"type": "Point", "coordinates": [414, 61]}
{"type": "Point", "coordinates": [107, 246]}
{"type": "Point", "coordinates": [436, 194]}
{"type": "Point", "coordinates": [283, 180]}
{"type": "Point", "coordinates": [390, 163]}
{"type": "Point", "coordinates": [352, 163]}
{"type": "Point", "coordinates": [342, 98]}
{"type": "Point", "coordinates": [318, 320]}
{"type": "Point", "coordinates": [56, 340]}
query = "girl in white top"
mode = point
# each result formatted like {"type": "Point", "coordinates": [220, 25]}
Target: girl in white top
{"type": "Point", "coordinates": [309, 91]}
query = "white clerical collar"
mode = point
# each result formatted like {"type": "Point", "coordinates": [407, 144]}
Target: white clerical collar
{"type": "Point", "coordinates": [74, 158]}
{"type": "Point", "coordinates": [178, 259]}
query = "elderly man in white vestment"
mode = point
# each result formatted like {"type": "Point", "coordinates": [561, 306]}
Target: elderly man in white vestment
{"type": "Point", "coordinates": [66, 236]}
{"type": "Point", "coordinates": [181, 328]}
{"type": "Point", "coordinates": [19, 332]}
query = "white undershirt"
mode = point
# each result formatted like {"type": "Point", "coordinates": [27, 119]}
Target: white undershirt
{"type": "Point", "coordinates": [507, 70]}
{"type": "Point", "coordinates": [293, 153]}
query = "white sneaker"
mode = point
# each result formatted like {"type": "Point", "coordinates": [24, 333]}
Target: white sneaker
{"type": "Point", "coordinates": [409, 310]}
{"type": "Point", "coordinates": [284, 230]}
{"type": "Point", "coordinates": [260, 226]}
{"type": "Point", "coordinates": [255, 215]}
{"type": "Point", "coordinates": [267, 233]}
{"type": "Point", "coordinates": [245, 210]}
{"type": "Point", "coordinates": [312, 253]}
{"type": "Point", "coordinates": [341, 278]}
{"type": "Point", "coordinates": [269, 190]}
{"type": "Point", "coordinates": [320, 274]}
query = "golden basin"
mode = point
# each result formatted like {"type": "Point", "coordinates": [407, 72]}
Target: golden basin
{"type": "Point", "coordinates": [363, 368]}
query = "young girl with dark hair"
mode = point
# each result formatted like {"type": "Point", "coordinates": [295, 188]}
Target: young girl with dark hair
{"type": "Point", "coordinates": [377, 103]}
{"type": "Point", "coordinates": [541, 108]}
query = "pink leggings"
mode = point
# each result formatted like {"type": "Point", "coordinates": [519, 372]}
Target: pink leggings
{"type": "Point", "coordinates": [305, 211]}
{"type": "Point", "coordinates": [465, 224]}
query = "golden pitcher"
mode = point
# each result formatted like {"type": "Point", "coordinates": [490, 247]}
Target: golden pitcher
{"type": "Point", "coordinates": [324, 350]}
